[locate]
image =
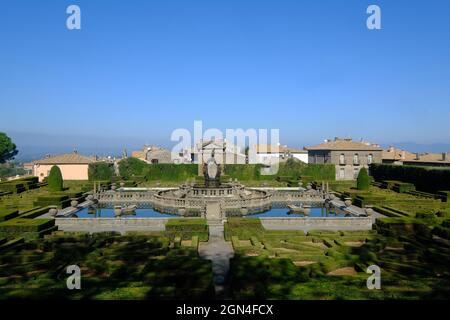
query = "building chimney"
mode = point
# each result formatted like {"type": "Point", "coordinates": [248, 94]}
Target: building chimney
{"type": "Point", "coordinates": [403, 155]}
{"type": "Point", "coordinates": [444, 156]}
{"type": "Point", "coordinates": [417, 156]}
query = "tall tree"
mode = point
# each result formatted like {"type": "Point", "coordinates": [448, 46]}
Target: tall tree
{"type": "Point", "coordinates": [55, 179]}
{"type": "Point", "coordinates": [363, 180]}
{"type": "Point", "coordinates": [7, 148]}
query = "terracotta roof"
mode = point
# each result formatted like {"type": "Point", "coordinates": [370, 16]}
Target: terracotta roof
{"type": "Point", "coordinates": [68, 158]}
{"type": "Point", "coordinates": [267, 148]}
{"type": "Point", "coordinates": [403, 155]}
{"type": "Point", "coordinates": [345, 144]}
{"type": "Point", "coordinates": [138, 154]}
{"type": "Point", "coordinates": [396, 154]}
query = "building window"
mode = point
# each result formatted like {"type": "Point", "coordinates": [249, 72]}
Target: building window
{"type": "Point", "coordinates": [341, 173]}
{"type": "Point", "coordinates": [356, 159]}
{"type": "Point", "coordinates": [341, 158]}
{"type": "Point", "coordinates": [369, 159]}
{"type": "Point", "coordinates": [155, 161]}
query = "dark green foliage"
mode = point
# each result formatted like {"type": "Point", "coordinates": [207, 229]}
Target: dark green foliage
{"type": "Point", "coordinates": [55, 180]}
{"type": "Point", "coordinates": [441, 231]}
{"type": "Point", "coordinates": [130, 167]}
{"type": "Point", "coordinates": [35, 212]}
{"type": "Point", "coordinates": [171, 172]}
{"type": "Point", "coordinates": [7, 148]}
{"type": "Point", "coordinates": [424, 178]}
{"type": "Point", "coordinates": [114, 267]}
{"type": "Point", "coordinates": [363, 180]}
{"type": "Point", "coordinates": [243, 228]}
{"type": "Point", "coordinates": [244, 172]}
{"type": "Point", "coordinates": [10, 170]}
{"type": "Point", "coordinates": [26, 225]}
{"type": "Point", "coordinates": [58, 200]}
{"type": "Point", "coordinates": [186, 225]}
{"type": "Point", "coordinates": [6, 214]}
{"type": "Point", "coordinates": [187, 228]}
{"type": "Point", "coordinates": [445, 195]}
{"type": "Point", "coordinates": [100, 171]}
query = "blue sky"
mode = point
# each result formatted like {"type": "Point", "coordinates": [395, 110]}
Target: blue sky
{"type": "Point", "coordinates": [139, 69]}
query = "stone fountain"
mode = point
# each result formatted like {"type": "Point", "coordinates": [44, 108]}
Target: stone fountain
{"type": "Point", "coordinates": [192, 198]}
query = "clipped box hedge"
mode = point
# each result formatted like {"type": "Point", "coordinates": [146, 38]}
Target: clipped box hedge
{"type": "Point", "coordinates": [186, 225]}
{"type": "Point", "coordinates": [61, 201]}
{"type": "Point", "coordinates": [35, 212]}
{"type": "Point", "coordinates": [442, 231]}
{"type": "Point", "coordinates": [7, 214]}
{"type": "Point", "coordinates": [424, 178]}
{"type": "Point", "coordinates": [26, 225]}
{"type": "Point", "coordinates": [445, 195]}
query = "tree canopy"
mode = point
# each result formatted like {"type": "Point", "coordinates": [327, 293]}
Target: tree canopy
{"type": "Point", "coordinates": [7, 148]}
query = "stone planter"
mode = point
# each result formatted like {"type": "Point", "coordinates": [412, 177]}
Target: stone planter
{"type": "Point", "coordinates": [53, 212]}
{"type": "Point", "coordinates": [74, 203]}
{"type": "Point", "coordinates": [348, 202]}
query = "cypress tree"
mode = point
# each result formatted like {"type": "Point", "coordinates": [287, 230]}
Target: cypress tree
{"type": "Point", "coordinates": [55, 180]}
{"type": "Point", "coordinates": [363, 180]}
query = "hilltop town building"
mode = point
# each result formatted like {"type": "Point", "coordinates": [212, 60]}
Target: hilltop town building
{"type": "Point", "coordinates": [269, 155]}
{"type": "Point", "coordinates": [73, 166]}
{"type": "Point", "coordinates": [347, 155]}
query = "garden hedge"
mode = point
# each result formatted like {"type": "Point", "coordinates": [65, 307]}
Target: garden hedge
{"type": "Point", "coordinates": [100, 171]}
{"type": "Point", "coordinates": [26, 225]}
{"type": "Point", "coordinates": [424, 178]}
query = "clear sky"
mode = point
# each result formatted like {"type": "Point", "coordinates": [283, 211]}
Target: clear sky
{"type": "Point", "coordinates": [139, 69]}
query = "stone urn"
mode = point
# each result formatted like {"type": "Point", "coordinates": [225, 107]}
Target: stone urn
{"type": "Point", "coordinates": [122, 184]}
{"type": "Point", "coordinates": [74, 203]}
{"type": "Point", "coordinates": [331, 196]}
{"type": "Point", "coordinates": [308, 186]}
{"type": "Point", "coordinates": [53, 212]}
{"type": "Point", "coordinates": [368, 210]}
{"type": "Point", "coordinates": [348, 202]}
{"type": "Point", "coordinates": [113, 186]}
{"type": "Point", "coordinates": [90, 197]}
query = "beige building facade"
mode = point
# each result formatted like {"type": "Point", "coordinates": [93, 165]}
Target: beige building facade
{"type": "Point", "coordinates": [73, 166]}
{"type": "Point", "coordinates": [347, 155]}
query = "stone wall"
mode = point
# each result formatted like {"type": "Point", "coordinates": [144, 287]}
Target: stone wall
{"type": "Point", "coordinates": [111, 224]}
{"type": "Point", "coordinates": [309, 223]}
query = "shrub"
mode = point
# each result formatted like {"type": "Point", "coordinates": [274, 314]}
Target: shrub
{"type": "Point", "coordinates": [445, 195]}
{"type": "Point", "coordinates": [171, 172]}
{"type": "Point", "coordinates": [130, 167]}
{"type": "Point", "coordinates": [100, 171]}
{"type": "Point", "coordinates": [55, 180]}
{"type": "Point", "coordinates": [363, 180]}
{"type": "Point", "coordinates": [61, 201]}
{"type": "Point", "coordinates": [6, 214]}
{"type": "Point", "coordinates": [424, 178]}
{"type": "Point", "coordinates": [442, 232]}
{"type": "Point", "coordinates": [26, 225]}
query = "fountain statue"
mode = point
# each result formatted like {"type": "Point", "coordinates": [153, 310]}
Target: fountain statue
{"type": "Point", "coordinates": [211, 172]}
{"type": "Point", "coordinates": [232, 196]}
